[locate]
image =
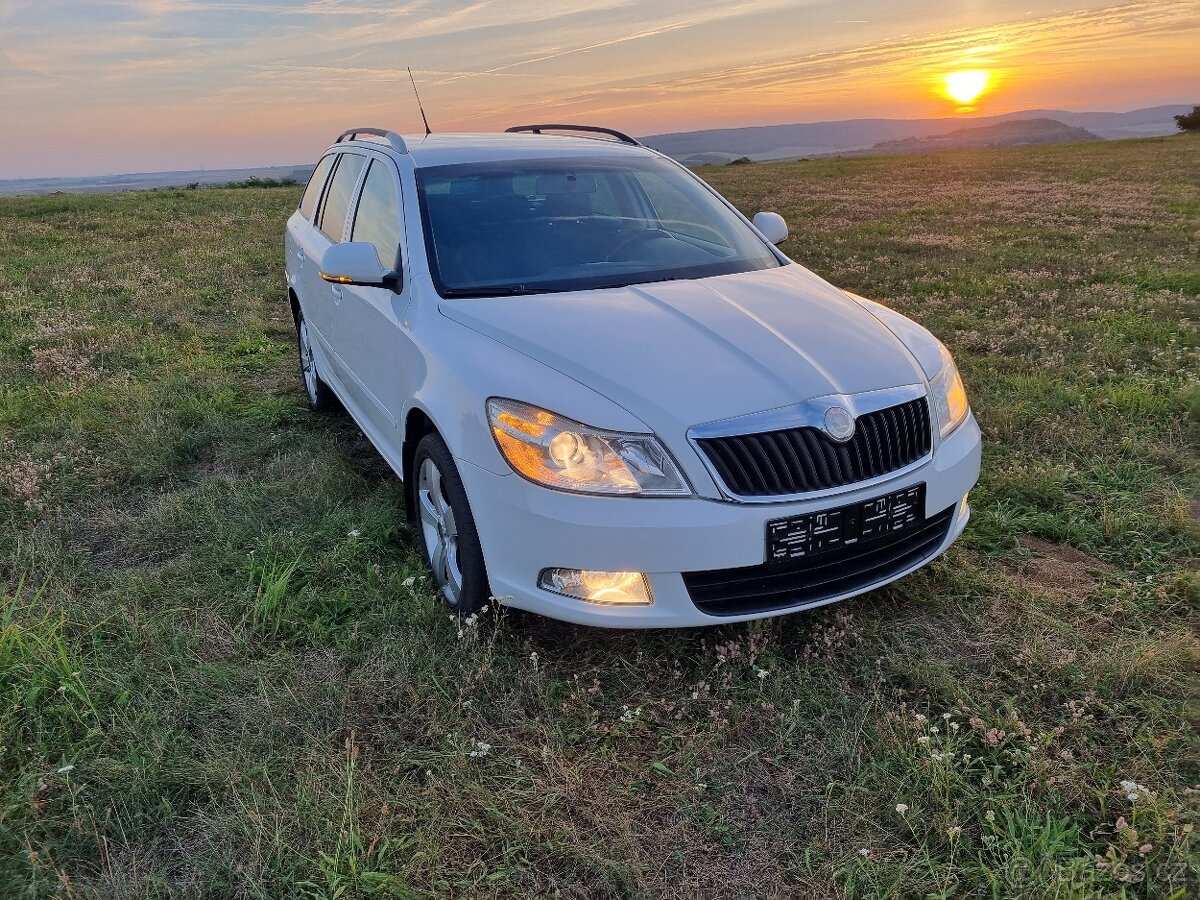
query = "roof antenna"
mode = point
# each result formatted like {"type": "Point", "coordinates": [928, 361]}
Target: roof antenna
{"type": "Point", "coordinates": [428, 130]}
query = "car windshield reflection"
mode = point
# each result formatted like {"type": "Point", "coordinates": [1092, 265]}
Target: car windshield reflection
{"type": "Point", "coordinates": [538, 226]}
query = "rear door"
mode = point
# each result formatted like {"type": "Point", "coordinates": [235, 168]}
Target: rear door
{"type": "Point", "coordinates": [372, 318]}
{"type": "Point", "coordinates": [301, 222]}
{"type": "Point", "coordinates": [320, 299]}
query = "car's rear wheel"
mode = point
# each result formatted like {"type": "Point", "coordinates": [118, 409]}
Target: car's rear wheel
{"type": "Point", "coordinates": [320, 396]}
{"type": "Point", "coordinates": [449, 540]}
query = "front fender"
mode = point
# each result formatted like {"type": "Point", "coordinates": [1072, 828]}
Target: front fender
{"type": "Point", "coordinates": [465, 368]}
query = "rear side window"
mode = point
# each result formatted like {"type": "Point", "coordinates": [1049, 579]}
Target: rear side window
{"type": "Point", "coordinates": [378, 218]}
{"type": "Point", "coordinates": [312, 193]}
{"type": "Point", "coordinates": [337, 198]}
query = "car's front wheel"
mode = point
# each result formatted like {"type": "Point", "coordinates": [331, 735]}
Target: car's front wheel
{"type": "Point", "coordinates": [448, 537]}
{"type": "Point", "coordinates": [320, 396]}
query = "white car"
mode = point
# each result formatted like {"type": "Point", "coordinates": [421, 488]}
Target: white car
{"type": "Point", "coordinates": [612, 399]}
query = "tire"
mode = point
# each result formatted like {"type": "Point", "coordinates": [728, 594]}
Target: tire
{"type": "Point", "coordinates": [320, 396]}
{"type": "Point", "coordinates": [449, 541]}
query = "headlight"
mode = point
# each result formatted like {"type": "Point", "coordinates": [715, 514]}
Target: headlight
{"type": "Point", "coordinates": [948, 395]}
{"type": "Point", "coordinates": [568, 456]}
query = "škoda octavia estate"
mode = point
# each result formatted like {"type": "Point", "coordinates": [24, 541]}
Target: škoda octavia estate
{"type": "Point", "coordinates": [612, 399]}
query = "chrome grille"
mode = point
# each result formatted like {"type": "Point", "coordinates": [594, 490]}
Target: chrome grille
{"type": "Point", "coordinates": [805, 459]}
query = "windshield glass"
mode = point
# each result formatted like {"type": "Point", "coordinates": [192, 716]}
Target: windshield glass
{"type": "Point", "coordinates": [533, 226]}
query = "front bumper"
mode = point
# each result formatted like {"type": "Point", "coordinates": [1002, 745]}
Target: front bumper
{"type": "Point", "coordinates": [524, 529]}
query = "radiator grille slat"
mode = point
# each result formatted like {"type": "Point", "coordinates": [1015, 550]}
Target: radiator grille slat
{"type": "Point", "coordinates": [802, 460]}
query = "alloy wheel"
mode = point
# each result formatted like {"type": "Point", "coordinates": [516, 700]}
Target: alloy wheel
{"type": "Point", "coordinates": [440, 531]}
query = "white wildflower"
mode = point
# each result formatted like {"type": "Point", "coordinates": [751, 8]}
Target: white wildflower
{"type": "Point", "coordinates": [902, 808]}
{"type": "Point", "coordinates": [1134, 791]}
{"type": "Point", "coordinates": [482, 748]}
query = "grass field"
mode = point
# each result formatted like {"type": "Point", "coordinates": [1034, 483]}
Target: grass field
{"type": "Point", "coordinates": [223, 674]}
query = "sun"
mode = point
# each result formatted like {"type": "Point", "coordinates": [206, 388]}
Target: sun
{"type": "Point", "coordinates": [966, 86]}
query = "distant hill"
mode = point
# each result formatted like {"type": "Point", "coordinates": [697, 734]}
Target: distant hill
{"type": "Point", "coordinates": [1014, 133]}
{"type": "Point", "coordinates": [103, 184]}
{"type": "Point", "coordinates": [723, 145]}
{"type": "Point", "coordinates": [714, 146]}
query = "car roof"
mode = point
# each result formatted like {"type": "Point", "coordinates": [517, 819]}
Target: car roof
{"type": "Point", "coordinates": [449, 149]}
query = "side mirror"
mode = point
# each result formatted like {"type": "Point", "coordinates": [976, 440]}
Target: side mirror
{"type": "Point", "coordinates": [772, 226]}
{"type": "Point", "coordinates": [357, 263]}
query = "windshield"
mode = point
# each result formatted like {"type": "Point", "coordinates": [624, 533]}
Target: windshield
{"type": "Point", "coordinates": [533, 226]}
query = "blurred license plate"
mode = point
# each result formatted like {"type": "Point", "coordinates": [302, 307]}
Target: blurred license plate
{"type": "Point", "coordinates": [800, 536]}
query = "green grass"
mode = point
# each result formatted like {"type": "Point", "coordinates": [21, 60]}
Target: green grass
{"type": "Point", "coordinates": [223, 672]}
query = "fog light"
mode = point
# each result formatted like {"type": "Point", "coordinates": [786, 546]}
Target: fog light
{"type": "Point", "coordinates": [603, 588]}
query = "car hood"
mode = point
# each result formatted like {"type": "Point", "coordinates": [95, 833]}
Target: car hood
{"type": "Point", "coordinates": [683, 353]}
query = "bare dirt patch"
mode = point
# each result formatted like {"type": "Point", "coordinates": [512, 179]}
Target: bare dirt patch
{"type": "Point", "coordinates": [1056, 568]}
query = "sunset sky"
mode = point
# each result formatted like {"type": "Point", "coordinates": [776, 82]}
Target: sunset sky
{"type": "Point", "coordinates": [108, 86]}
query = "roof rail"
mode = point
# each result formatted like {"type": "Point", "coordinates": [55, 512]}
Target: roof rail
{"type": "Point", "coordinates": [393, 139]}
{"type": "Point", "coordinates": [590, 129]}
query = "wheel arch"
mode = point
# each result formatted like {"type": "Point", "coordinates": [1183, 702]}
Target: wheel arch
{"type": "Point", "coordinates": [417, 424]}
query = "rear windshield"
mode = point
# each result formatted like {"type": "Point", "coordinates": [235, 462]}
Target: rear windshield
{"type": "Point", "coordinates": [533, 226]}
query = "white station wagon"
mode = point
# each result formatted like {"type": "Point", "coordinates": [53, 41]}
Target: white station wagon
{"type": "Point", "coordinates": [612, 399]}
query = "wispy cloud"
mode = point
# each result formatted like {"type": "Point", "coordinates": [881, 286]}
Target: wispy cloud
{"type": "Point", "coordinates": [1045, 40]}
{"type": "Point", "coordinates": [175, 70]}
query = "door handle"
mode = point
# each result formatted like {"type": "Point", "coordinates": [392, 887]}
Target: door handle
{"type": "Point", "coordinates": [337, 294]}
{"type": "Point", "coordinates": [300, 255]}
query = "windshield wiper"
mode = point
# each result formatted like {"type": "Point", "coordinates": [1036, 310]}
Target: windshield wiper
{"type": "Point", "coordinates": [636, 282]}
{"type": "Point", "coordinates": [503, 291]}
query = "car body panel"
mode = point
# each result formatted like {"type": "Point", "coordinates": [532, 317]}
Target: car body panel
{"type": "Point", "coordinates": [523, 531]}
{"type": "Point", "coordinates": [682, 353]}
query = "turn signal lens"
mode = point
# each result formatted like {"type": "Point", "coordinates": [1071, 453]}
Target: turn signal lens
{"type": "Point", "coordinates": [569, 456]}
{"type": "Point", "coordinates": [601, 588]}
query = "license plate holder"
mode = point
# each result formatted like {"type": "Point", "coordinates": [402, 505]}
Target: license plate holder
{"type": "Point", "coordinates": [811, 534]}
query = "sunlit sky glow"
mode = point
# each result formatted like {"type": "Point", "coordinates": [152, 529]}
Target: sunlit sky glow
{"type": "Point", "coordinates": [107, 86]}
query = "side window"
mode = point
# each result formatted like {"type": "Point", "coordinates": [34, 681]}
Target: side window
{"type": "Point", "coordinates": [312, 193]}
{"type": "Point", "coordinates": [377, 220]}
{"type": "Point", "coordinates": [337, 198]}
{"type": "Point", "coordinates": [677, 211]}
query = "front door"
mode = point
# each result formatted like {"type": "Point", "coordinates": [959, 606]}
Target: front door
{"type": "Point", "coordinates": [372, 318]}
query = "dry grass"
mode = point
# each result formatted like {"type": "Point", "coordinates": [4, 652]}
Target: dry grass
{"type": "Point", "coordinates": [223, 674]}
